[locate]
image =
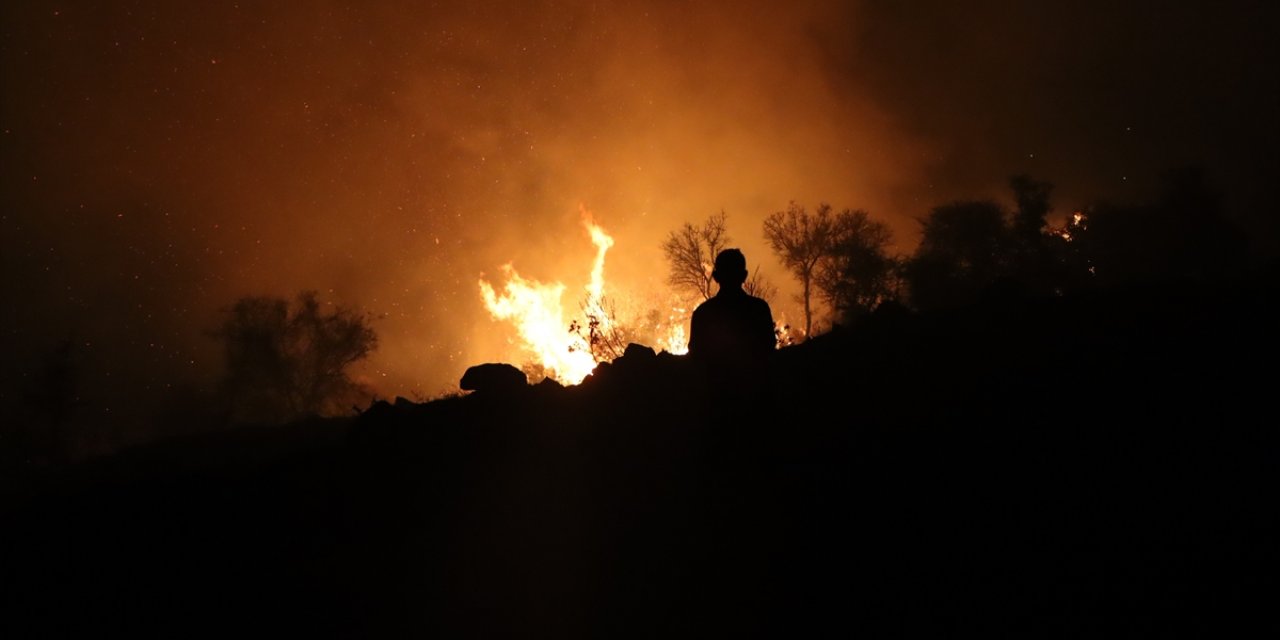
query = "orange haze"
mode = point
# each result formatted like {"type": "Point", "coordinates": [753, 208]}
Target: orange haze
{"type": "Point", "coordinates": [161, 160]}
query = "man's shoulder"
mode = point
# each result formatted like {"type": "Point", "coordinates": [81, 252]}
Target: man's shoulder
{"type": "Point", "coordinates": [759, 303]}
{"type": "Point", "coordinates": [713, 302]}
{"type": "Point", "coordinates": [732, 304]}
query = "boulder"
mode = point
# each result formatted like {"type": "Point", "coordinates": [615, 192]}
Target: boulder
{"type": "Point", "coordinates": [493, 377]}
{"type": "Point", "coordinates": [638, 352]}
{"type": "Point", "coordinates": [548, 384]}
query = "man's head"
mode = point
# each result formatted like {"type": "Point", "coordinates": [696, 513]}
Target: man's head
{"type": "Point", "coordinates": [730, 269]}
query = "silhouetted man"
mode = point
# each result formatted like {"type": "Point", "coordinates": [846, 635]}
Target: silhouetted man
{"type": "Point", "coordinates": [732, 328]}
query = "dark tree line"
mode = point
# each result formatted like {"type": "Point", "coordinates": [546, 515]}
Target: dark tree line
{"type": "Point", "coordinates": [972, 248]}
{"type": "Point", "coordinates": [840, 257]}
{"type": "Point", "coordinates": [287, 359]}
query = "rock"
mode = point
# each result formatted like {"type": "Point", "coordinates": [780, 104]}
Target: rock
{"type": "Point", "coordinates": [493, 377]}
{"type": "Point", "coordinates": [549, 384]}
{"type": "Point", "coordinates": [638, 352]}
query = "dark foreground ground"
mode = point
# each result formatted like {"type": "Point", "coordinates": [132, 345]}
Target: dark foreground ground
{"type": "Point", "coordinates": [1100, 466]}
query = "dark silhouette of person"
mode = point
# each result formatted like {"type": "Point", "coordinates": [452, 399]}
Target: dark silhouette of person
{"type": "Point", "coordinates": [732, 328]}
{"type": "Point", "coordinates": [731, 342]}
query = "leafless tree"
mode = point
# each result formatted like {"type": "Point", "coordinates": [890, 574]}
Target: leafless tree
{"type": "Point", "coordinates": [759, 286]}
{"type": "Point", "coordinates": [602, 334]}
{"type": "Point", "coordinates": [801, 240]}
{"type": "Point", "coordinates": [691, 253]}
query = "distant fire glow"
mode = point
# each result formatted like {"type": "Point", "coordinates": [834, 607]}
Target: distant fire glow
{"type": "Point", "coordinates": [1077, 222]}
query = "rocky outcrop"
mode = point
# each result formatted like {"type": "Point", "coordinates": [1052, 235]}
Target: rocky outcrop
{"type": "Point", "coordinates": [493, 377]}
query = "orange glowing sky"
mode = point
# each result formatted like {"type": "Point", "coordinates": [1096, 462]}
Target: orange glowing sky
{"type": "Point", "coordinates": [161, 160]}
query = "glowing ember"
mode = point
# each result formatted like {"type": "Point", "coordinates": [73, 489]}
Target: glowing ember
{"type": "Point", "coordinates": [1077, 222]}
{"type": "Point", "coordinates": [538, 314]}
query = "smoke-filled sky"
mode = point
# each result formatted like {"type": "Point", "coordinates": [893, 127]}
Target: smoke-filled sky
{"type": "Point", "coordinates": [161, 159]}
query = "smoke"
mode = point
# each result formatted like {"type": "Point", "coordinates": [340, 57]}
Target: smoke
{"type": "Point", "coordinates": [162, 160]}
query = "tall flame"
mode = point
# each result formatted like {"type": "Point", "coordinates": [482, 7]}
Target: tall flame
{"type": "Point", "coordinates": [536, 310]}
{"type": "Point", "coordinates": [603, 242]}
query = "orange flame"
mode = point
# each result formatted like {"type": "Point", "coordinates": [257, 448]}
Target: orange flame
{"type": "Point", "coordinates": [675, 341]}
{"type": "Point", "coordinates": [1078, 221]}
{"type": "Point", "coordinates": [536, 310]}
{"type": "Point", "coordinates": [603, 243]}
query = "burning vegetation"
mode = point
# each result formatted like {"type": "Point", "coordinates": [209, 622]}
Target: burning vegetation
{"type": "Point", "coordinates": [567, 348]}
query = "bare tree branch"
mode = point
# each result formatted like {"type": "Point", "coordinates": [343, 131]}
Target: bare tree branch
{"type": "Point", "coordinates": [759, 286]}
{"type": "Point", "coordinates": [691, 252]}
{"type": "Point", "coordinates": [801, 240]}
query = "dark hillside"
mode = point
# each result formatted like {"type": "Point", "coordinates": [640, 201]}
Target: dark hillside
{"type": "Point", "coordinates": [1103, 464]}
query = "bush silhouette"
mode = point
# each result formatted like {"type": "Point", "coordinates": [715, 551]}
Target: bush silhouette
{"type": "Point", "coordinates": [287, 361]}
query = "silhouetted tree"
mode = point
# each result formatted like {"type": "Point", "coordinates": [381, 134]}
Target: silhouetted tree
{"type": "Point", "coordinates": [603, 334]}
{"type": "Point", "coordinates": [1032, 199]}
{"type": "Point", "coordinates": [1039, 258]}
{"type": "Point", "coordinates": [286, 361]}
{"type": "Point", "coordinates": [759, 286]}
{"type": "Point", "coordinates": [1182, 236]}
{"type": "Point", "coordinates": [690, 252]}
{"type": "Point", "coordinates": [858, 273]}
{"type": "Point", "coordinates": [964, 249]}
{"type": "Point", "coordinates": [801, 240]}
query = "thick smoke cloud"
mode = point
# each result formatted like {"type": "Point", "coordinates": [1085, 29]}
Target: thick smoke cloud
{"type": "Point", "coordinates": [161, 160]}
